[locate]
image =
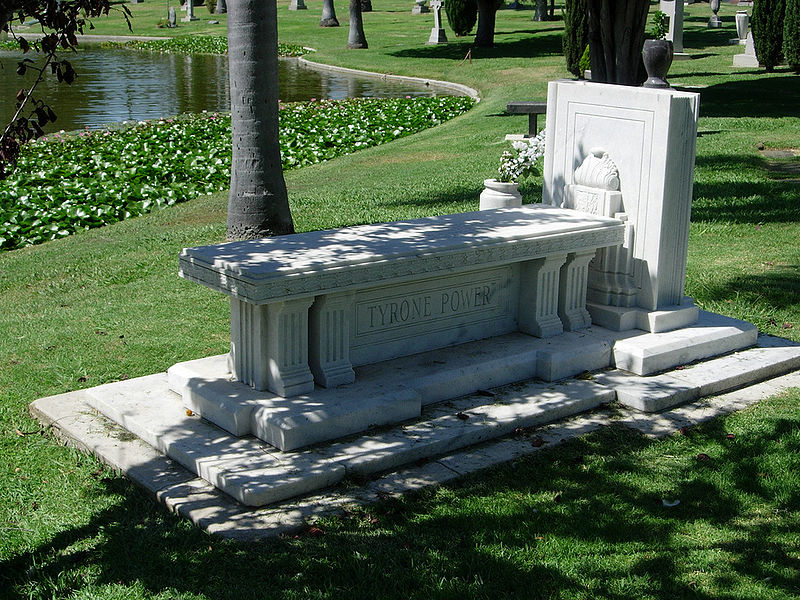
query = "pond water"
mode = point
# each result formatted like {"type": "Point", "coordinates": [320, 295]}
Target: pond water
{"type": "Point", "coordinates": [124, 85]}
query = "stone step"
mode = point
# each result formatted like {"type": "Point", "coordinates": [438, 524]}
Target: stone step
{"type": "Point", "coordinates": [256, 474]}
{"type": "Point", "coordinates": [771, 358]}
{"type": "Point", "coordinates": [712, 335]}
{"type": "Point", "coordinates": [383, 393]}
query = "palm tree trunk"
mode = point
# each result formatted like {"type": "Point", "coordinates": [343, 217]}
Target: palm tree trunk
{"type": "Point", "coordinates": [356, 38]}
{"type": "Point", "coordinates": [616, 36]}
{"type": "Point", "coordinates": [328, 15]}
{"type": "Point", "coordinates": [258, 204]}
{"type": "Point", "coordinates": [487, 13]}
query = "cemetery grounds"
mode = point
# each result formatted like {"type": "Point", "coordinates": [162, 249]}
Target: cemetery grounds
{"type": "Point", "coordinates": [586, 519]}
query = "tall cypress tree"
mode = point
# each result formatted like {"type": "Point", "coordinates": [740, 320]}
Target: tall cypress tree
{"type": "Point", "coordinates": [791, 34]}
{"type": "Point", "coordinates": [767, 23]}
{"type": "Point", "coordinates": [461, 15]}
{"type": "Point", "coordinates": [576, 34]}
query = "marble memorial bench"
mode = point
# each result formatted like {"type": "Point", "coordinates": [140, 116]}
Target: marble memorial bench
{"type": "Point", "coordinates": [307, 308]}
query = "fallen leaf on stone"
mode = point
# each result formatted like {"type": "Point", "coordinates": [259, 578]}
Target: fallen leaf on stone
{"type": "Point", "coordinates": [703, 456]}
{"type": "Point", "coordinates": [537, 442]}
{"type": "Point", "coordinates": [684, 430]}
{"type": "Point", "coordinates": [384, 495]}
{"type": "Point", "coordinates": [670, 503]}
{"type": "Point", "coordinates": [787, 325]}
{"type": "Point", "coordinates": [463, 416]}
{"type": "Point", "coordinates": [315, 532]}
{"type": "Point", "coordinates": [189, 412]}
{"type": "Point", "coordinates": [489, 393]}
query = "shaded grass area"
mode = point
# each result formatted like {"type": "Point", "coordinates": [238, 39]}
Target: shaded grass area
{"type": "Point", "coordinates": [584, 519]}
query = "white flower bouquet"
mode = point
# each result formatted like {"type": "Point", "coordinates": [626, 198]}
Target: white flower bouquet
{"type": "Point", "coordinates": [523, 159]}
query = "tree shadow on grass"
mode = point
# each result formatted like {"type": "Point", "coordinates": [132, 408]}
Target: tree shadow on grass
{"type": "Point", "coordinates": [698, 39]}
{"type": "Point", "coordinates": [587, 513]}
{"type": "Point", "coordinates": [778, 288]}
{"type": "Point", "coordinates": [541, 43]}
{"type": "Point", "coordinates": [729, 200]}
{"type": "Point", "coordinates": [754, 97]}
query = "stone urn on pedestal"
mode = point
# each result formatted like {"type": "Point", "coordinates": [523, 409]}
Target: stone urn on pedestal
{"type": "Point", "coordinates": [657, 57]}
{"type": "Point", "coordinates": [500, 194]}
{"type": "Point", "coordinates": [742, 25]}
{"type": "Point", "coordinates": [521, 161]}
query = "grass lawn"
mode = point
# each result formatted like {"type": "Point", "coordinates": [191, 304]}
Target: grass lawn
{"type": "Point", "coordinates": [581, 520]}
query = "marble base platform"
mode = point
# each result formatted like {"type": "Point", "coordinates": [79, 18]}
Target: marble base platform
{"type": "Point", "coordinates": [205, 459]}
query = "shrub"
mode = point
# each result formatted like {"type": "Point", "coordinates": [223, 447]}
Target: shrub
{"type": "Point", "coordinates": [791, 34]}
{"type": "Point", "coordinates": [462, 15]}
{"type": "Point", "coordinates": [767, 24]}
{"type": "Point", "coordinates": [576, 34]}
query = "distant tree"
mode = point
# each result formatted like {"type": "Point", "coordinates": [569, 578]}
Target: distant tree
{"type": "Point", "coordinates": [767, 24]}
{"type": "Point", "coordinates": [222, 7]}
{"type": "Point", "coordinates": [328, 15]}
{"type": "Point", "coordinates": [356, 38]}
{"type": "Point", "coordinates": [366, 6]}
{"type": "Point", "coordinates": [791, 34]}
{"type": "Point", "coordinates": [461, 15]}
{"type": "Point", "coordinates": [576, 34]}
{"type": "Point", "coordinates": [258, 204]}
{"type": "Point", "coordinates": [616, 37]}
{"type": "Point", "coordinates": [60, 22]}
{"type": "Point", "coordinates": [487, 13]}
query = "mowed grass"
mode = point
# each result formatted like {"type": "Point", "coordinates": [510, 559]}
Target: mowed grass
{"type": "Point", "coordinates": [585, 519]}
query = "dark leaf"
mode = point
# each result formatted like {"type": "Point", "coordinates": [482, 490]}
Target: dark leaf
{"type": "Point", "coordinates": [20, 95]}
{"type": "Point", "coordinates": [41, 116]}
{"type": "Point", "coordinates": [703, 457]}
{"type": "Point", "coordinates": [24, 45]}
{"type": "Point", "coordinates": [463, 416]}
{"type": "Point", "coordinates": [537, 442]}
{"type": "Point", "coordinates": [21, 69]}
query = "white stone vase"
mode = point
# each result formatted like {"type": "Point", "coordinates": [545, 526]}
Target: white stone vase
{"type": "Point", "coordinates": [742, 25]}
{"type": "Point", "coordinates": [500, 194]}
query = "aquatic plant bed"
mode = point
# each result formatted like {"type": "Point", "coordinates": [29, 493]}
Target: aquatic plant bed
{"type": "Point", "coordinates": [70, 181]}
{"type": "Point", "coordinates": [199, 44]}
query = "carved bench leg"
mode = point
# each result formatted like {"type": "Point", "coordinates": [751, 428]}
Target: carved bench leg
{"type": "Point", "coordinates": [329, 340]}
{"type": "Point", "coordinates": [538, 296]}
{"type": "Point", "coordinates": [572, 291]}
{"type": "Point", "coordinates": [269, 346]}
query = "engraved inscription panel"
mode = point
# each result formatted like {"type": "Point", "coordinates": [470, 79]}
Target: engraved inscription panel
{"type": "Point", "coordinates": [400, 320]}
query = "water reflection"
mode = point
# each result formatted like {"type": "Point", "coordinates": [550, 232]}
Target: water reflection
{"type": "Point", "coordinates": [118, 85]}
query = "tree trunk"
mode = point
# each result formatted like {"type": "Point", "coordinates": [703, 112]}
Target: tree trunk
{"type": "Point", "coordinates": [616, 36]}
{"type": "Point", "coordinates": [258, 204]}
{"type": "Point", "coordinates": [366, 6]}
{"type": "Point", "coordinates": [487, 11]}
{"type": "Point", "coordinates": [222, 7]}
{"type": "Point", "coordinates": [328, 15]}
{"type": "Point", "coordinates": [356, 39]}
